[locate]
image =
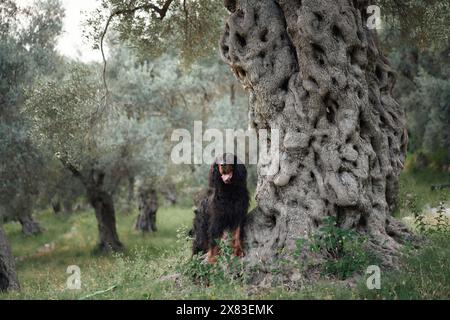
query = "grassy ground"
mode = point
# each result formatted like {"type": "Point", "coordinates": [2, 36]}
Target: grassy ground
{"type": "Point", "coordinates": [415, 191]}
{"type": "Point", "coordinates": [144, 270]}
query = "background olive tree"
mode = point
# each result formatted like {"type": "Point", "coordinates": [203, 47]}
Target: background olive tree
{"type": "Point", "coordinates": [27, 48]}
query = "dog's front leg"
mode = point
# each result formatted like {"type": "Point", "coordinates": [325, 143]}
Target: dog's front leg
{"type": "Point", "coordinates": [212, 254]}
{"type": "Point", "coordinates": [237, 243]}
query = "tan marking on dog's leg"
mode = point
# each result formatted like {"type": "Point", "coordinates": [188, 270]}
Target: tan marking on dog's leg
{"type": "Point", "coordinates": [236, 243]}
{"type": "Point", "coordinates": [212, 255]}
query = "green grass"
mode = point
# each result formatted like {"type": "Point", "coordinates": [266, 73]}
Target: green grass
{"type": "Point", "coordinates": [73, 240]}
{"type": "Point", "coordinates": [415, 186]}
{"type": "Point", "coordinates": [137, 273]}
{"type": "Point", "coordinates": [425, 274]}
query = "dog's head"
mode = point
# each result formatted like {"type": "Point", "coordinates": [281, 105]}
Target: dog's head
{"type": "Point", "coordinates": [227, 170]}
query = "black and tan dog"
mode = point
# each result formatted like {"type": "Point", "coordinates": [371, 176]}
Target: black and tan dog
{"type": "Point", "coordinates": [223, 208]}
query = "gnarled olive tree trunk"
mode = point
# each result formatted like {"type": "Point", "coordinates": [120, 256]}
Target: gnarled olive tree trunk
{"type": "Point", "coordinates": [8, 277]}
{"type": "Point", "coordinates": [103, 204]}
{"type": "Point", "coordinates": [30, 226]}
{"type": "Point", "coordinates": [148, 205]}
{"type": "Point", "coordinates": [314, 71]}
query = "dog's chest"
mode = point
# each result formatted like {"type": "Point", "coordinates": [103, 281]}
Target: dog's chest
{"type": "Point", "coordinates": [227, 205]}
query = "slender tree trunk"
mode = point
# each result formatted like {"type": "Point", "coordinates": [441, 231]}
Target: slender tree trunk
{"type": "Point", "coordinates": [8, 277]}
{"type": "Point", "coordinates": [148, 205]}
{"type": "Point", "coordinates": [129, 205]}
{"type": "Point", "coordinates": [130, 198]}
{"type": "Point", "coordinates": [67, 207]}
{"type": "Point", "coordinates": [315, 72]}
{"type": "Point", "coordinates": [29, 226]}
{"type": "Point", "coordinates": [56, 205]}
{"type": "Point", "coordinates": [170, 194]}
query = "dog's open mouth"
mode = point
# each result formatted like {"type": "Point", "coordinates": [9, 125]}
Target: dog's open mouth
{"type": "Point", "coordinates": [226, 178]}
{"type": "Point", "coordinates": [226, 173]}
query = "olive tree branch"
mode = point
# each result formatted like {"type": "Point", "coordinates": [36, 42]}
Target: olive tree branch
{"type": "Point", "coordinates": [161, 11]}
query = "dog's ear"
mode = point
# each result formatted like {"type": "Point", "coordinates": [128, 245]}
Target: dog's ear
{"type": "Point", "coordinates": [214, 175]}
{"type": "Point", "coordinates": [240, 174]}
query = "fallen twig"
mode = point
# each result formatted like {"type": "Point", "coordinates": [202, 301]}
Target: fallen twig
{"type": "Point", "coordinates": [99, 292]}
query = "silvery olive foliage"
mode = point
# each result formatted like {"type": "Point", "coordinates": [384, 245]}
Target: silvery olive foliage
{"type": "Point", "coordinates": [415, 34]}
{"type": "Point", "coordinates": [127, 132]}
{"type": "Point", "coordinates": [418, 23]}
{"type": "Point", "coordinates": [27, 48]}
{"type": "Point", "coordinates": [67, 117]}
{"type": "Point", "coordinates": [162, 91]}
{"type": "Point", "coordinates": [190, 27]}
{"type": "Point", "coordinates": [19, 183]}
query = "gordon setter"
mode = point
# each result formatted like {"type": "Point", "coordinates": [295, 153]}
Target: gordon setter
{"type": "Point", "coordinates": [223, 208]}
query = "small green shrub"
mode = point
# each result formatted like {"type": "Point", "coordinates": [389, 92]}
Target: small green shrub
{"type": "Point", "coordinates": [441, 220]}
{"type": "Point", "coordinates": [228, 269]}
{"type": "Point", "coordinates": [344, 250]}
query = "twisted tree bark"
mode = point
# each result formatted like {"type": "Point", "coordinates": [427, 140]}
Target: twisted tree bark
{"type": "Point", "coordinates": [102, 201]}
{"type": "Point", "coordinates": [314, 71]}
{"type": "Point", "coordinates": [103, 204]}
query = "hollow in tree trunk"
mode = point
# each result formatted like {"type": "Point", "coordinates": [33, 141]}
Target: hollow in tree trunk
{"type": "Point", "coordinates": [8, 276]}
{"type": "Point", "coordinates": [148, 205]}
{"type": "Point", "coordinates": [315, 72]}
